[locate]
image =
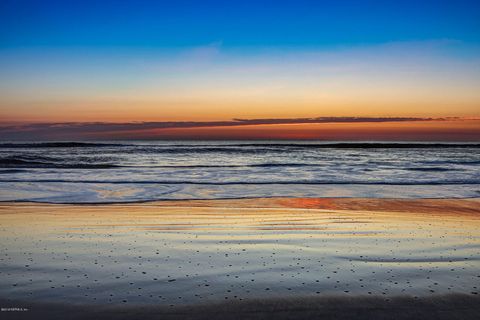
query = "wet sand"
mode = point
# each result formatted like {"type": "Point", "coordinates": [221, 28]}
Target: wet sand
{"type": "Point", "coordinates": [252, 258]}
{"type": "Point", "coordinates": [448, 307]}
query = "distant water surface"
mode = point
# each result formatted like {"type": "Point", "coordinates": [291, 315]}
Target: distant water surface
{"type": "Point", "coordinates": [76, 172]}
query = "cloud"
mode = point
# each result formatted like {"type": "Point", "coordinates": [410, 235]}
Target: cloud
{"type": "Point", "coordinates": [97, 130]}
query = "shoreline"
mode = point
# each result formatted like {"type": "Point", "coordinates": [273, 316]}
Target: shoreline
{"type": "Point", "coordinates": [444, 205]}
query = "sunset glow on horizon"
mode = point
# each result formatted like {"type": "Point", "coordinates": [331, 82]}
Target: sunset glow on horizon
{"type": "Point", "coordinates": [122, 64]}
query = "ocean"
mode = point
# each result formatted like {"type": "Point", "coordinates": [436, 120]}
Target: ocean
{"type": "Point", "coordinates": [140, 171]}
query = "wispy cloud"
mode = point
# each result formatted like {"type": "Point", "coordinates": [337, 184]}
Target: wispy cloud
{"type": "Point", "coordinates": [425, 78]}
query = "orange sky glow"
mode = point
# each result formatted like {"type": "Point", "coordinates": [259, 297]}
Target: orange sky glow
{"type": "Point", "coordinates": [454, 130]}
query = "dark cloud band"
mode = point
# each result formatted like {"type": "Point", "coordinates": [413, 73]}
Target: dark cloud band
{"type": "Point", "coordinates": [96, 129]}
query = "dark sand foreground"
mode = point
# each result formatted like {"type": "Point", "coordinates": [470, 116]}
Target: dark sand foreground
{"type": "Point", "coordinates": [449, 307]}
{"type": "Point", "coordinates": [242, 259]}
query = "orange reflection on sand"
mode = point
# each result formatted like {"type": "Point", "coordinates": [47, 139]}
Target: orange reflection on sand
{"type": "Point", "coordinates": [174, 252]}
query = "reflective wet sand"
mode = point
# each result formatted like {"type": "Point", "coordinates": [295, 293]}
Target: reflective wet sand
{"type": "Point", "coordinates": [174, 254]}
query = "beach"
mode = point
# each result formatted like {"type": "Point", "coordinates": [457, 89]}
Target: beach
{"type": "Point", "coordinates": [350, 258]}
{"type": "Point", "coordinates": [220, 160]}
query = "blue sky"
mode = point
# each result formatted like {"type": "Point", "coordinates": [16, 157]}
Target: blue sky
{"type": "Point", "coordinates": [233, 23]}
{"type": "Point", "coordinates": [218, 60]}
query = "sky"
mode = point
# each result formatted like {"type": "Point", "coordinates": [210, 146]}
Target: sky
{"type": "Point", "coordinates": [213, 61]}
